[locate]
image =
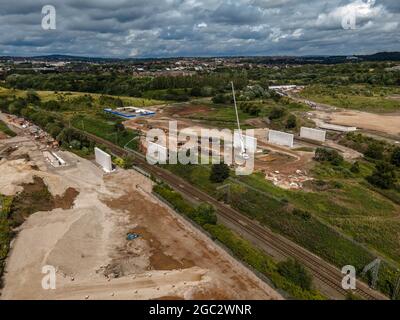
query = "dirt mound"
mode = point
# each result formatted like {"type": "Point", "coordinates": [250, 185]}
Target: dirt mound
{"type": "Point", "coordinates": [66, 201]}
{"type": "Point", "coordinates": [385, 123]}
{"type": "Point", "coordinates": [36, 197]}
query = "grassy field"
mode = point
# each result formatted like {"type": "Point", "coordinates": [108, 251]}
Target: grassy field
{"type": "Point", "coordinates": [70, 96]}
{"type": "Point", "coordinates": [350, 200]}
{"type": "Point", "coordinates": [360, 97]}
{"type": "Point", "coordinates": [337, 224]}
{"type": "Point", "coordinates": [220, 116]}
{"type": "Point", "coordinates": [4, 128]}
{"type": "Point", "coordinates": [103, 126]}
{"type": "Point", "coordinates": [223, 115]}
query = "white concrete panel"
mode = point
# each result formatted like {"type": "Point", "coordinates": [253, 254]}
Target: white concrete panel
{"type": "Point", "coordinates": [103, 159]}
{"type": "Point", "coordinates": [250, 143]}
{"type": "Point", "coordinates": [281, 138]}
{"type": "Point", "coordinates": [335, 127]}
{"type": "Point", "coordinates": [313, 134]}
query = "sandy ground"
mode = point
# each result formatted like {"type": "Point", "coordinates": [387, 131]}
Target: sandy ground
{"type": "Point", "coordinates": [386, 123]}
{"type": "Point", "coordinates": [87, 244]}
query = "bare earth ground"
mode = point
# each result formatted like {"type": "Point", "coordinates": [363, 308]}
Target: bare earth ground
{"type": "Point", "coordinates": [87, 243]}
{"type": "Point", "coordinates": [386, 123]}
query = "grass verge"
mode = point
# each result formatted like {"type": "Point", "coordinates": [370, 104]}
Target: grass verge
{"type": "Point", "coordinates": [240, 248]}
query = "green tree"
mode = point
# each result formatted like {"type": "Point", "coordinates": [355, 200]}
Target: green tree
{"type": "Point", "coordinates": [276, 113]}
{"type": "Point", "coordinates": [32, 97]}
{"type": "Point", "coordinates": [384, 175]}
{"type": "Point", "coordinates": [219, 98]}
{"type": "Point", "coordinates": [196, 92]}
{"type": "Point", "coordinates": [395, 158]}
{"type": "Point", "coordinates": [219, 172]}
{"type": "Point", "coordinates": [375, 151]}
{"type": "Point", "coordinates": [291, 122]}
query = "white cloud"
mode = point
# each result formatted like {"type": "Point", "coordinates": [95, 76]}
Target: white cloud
{"type": "Point", "coordinates": [202, 25]}
{"type": "Point", "coordinates": [134, 52]}
{"type": "Point", "coordinates": [363, 11]}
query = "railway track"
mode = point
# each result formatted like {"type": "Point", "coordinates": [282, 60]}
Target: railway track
{"type": "Point", "coordinates": [320, 269]}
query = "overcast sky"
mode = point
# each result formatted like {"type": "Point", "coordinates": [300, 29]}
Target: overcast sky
{"type": "Point", "coordinates": [166, 28]}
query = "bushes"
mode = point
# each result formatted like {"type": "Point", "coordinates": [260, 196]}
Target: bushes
{"type": "Point", "coordinates": [384, 175]}
{"type": "Point", "coordinates": [374, 151]}
{"type": "Point", "coordinates": [245, 251]}
{"type": "Point", "coordinates": [305, 215]}
{"type": "Point", "coordinates": [73, 138]}
{"type": "Point", "coordinates": [221, 99]}
{"type": "Point", "coordinates": [204, 214]}
{"type": "Point", "coordinates": [328, 155]}
{"type": "Point", "coordinates": [128, 162]}
{"type": "Point", "coordinates": [175, 199]}
{"type": "Point", "coordinates": [32, 97]}
{"type": "Point", "coordinates": [276, 113]}
{"type": "Point", "coordinates": [291, 122]}
{"type": "Point", "coordinates": [355, 167]}
{"type": "Point", "coordinates": [395, 158]}
{"type": "Point", "coordinates": [250, 108]}
{"type": "Point", "coordinates": [294, 271]}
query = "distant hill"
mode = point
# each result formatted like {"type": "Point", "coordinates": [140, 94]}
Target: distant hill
{"type": "Point", "coordinates": [380, 56]}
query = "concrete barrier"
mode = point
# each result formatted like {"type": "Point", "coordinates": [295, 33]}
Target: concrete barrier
{"type": "Point", "coordinates": [313, 134]}
{"type": "Point", "coordinates": [103, 159]}
{"type": "Point", "coordinates": [281, 138]}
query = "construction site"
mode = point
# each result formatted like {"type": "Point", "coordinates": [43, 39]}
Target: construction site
{"type": "Point", "coordinates": [110, 237]}
{"type": "Point", "coordinates": [284, 158]}
{"type": "Point", "coordinates": [107, 235]}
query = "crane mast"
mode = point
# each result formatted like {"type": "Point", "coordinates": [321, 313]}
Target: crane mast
{"type": "Point", "coordinates": [243, 148]}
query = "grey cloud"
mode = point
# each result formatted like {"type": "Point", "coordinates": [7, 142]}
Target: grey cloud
{"type": "Point", "coordinates": [171, 27]}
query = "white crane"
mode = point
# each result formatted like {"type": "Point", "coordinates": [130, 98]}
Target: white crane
{"type": "Point", "coordinates": [243, 152]}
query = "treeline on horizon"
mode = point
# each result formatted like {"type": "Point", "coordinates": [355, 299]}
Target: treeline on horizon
{"type": "Point", "coordinates": [127, 85]}
{"type": "Point", "coordinates": [207, 84]}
